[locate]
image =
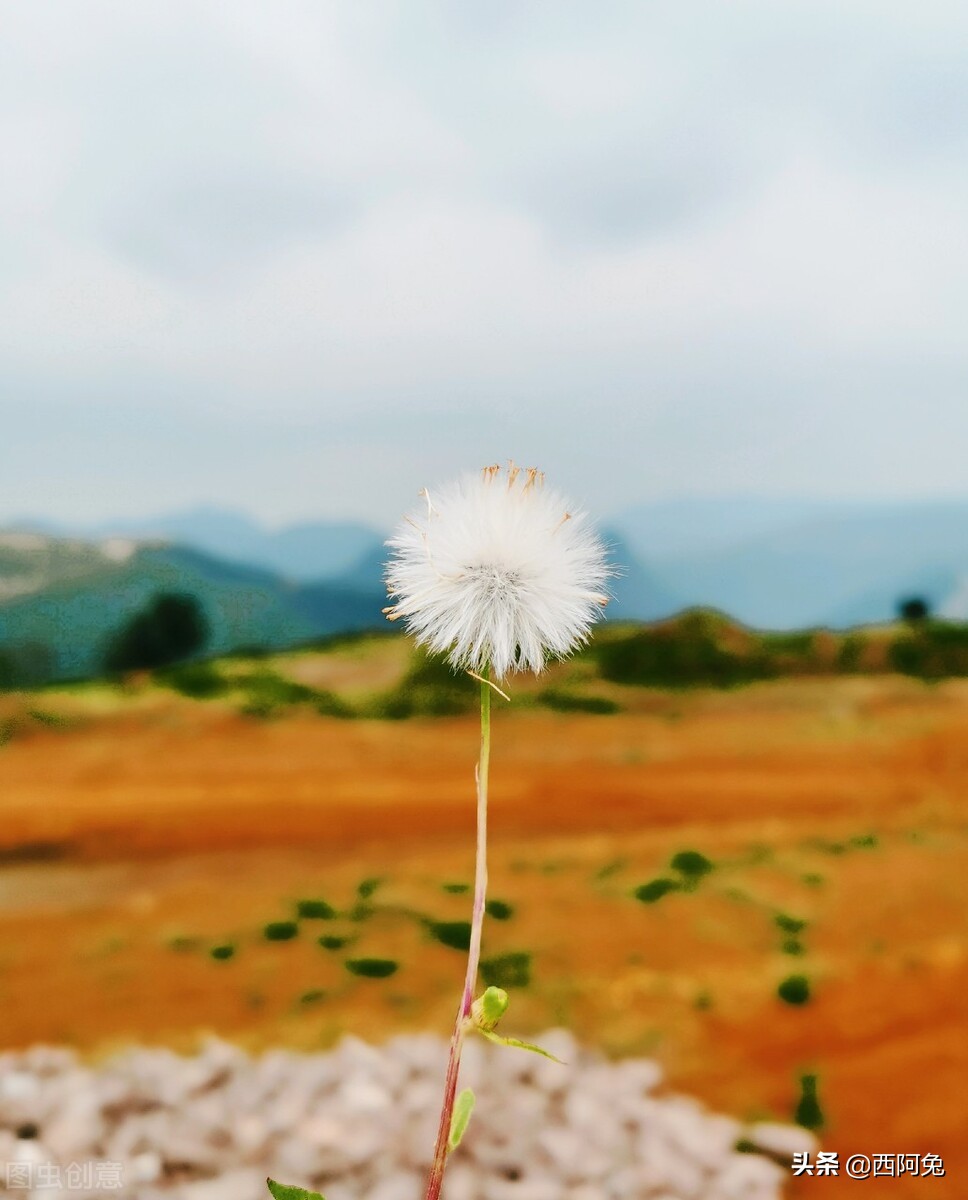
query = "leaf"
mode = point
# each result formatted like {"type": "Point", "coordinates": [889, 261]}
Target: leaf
{"type": "Point", "coordinates": [517, 1044]}
{"type": "Point", "coordinates": [463, 1107]}
{"type": "Point", "coordinates": [286, 1191]}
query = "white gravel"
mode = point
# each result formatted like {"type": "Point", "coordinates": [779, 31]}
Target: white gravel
{"type": "Point", "coordinates": [358, 1123]}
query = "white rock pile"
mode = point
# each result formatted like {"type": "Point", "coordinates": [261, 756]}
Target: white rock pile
{"type": "Point", "coordinates": [358, 1123]}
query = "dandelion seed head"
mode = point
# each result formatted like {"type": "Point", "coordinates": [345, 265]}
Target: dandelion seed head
{"type": "Point", "coordinates": [497, 569]}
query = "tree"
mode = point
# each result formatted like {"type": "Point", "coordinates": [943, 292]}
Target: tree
{"type": "Point", "coordinates": [172, 626]}
{"type": "Point", "coordinates": [913, 609]}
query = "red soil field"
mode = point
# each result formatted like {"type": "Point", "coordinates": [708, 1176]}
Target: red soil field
{"type": "Point", "coordinates": [135, 840]}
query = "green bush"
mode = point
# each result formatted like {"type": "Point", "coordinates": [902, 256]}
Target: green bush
{"type": "Point", "coordinates": [850, 652]}
{"type": "Point", "coordinates": [795, 989]}
{"type": "Point", "coordinates": [330, 941]}
{"type": "Point", "coordinates": [931, 650]}
{"type": "Point", "coordinates": [430, 688]}
{"type": "Point", "coordinates": [691, 863]}
{"type": "Point", "coordinates": [455, 934]}
{"type": "Point", "coordinates": [372, 968]}
{"type": "Point", "coordinates": [684, 653]}
{"type": "Point", "coordinates": [172, 626]}
{"type": "Point", "coordinates": [280, 931]}
{"type": "Point", "coordinates": [315, 910]}
{"type": "Point", "coordinates": [200, 681]}
{"type": "Point", "coordinates": [561, 701]}
{"type": "Point", "coordinates": [655, 889]}
{"type": "Point", "coordinates": [507, 970]}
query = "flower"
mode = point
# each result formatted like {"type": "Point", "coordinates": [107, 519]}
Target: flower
{"type": "Point", "coordinates": [496, 570]}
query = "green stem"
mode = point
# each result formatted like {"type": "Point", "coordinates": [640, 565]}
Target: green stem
{"type": "Point", "coordinates": [474, 952]}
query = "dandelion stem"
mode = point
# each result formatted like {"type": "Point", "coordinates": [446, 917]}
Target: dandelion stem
{"type": "Point", "coordinates": [474, 952]}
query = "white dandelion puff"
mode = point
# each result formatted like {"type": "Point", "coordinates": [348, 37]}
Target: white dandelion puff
{"type": "Point", "coordinates": [497, 570]}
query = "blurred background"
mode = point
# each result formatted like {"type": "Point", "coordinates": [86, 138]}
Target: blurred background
{"type": "Point", "coordinates": [266, 271]}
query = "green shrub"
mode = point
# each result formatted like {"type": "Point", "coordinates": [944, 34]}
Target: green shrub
{"type": "Point", "coordinates": [655, 889]}
{"type": "Point", "coordinates": [170, 627]}
{"type": "Point", "coordinates": [561, 701]}
{"type": "Point", "coordinates": [430, 688]}
{"type": "Point", "coordinates": [199, 681]}
{"type": "Point", "coordinates": [808, 1112]}
{"type": "Point", "coordinates": [280, 931]}
{"type": "Point", "coordinates": [372, 968]}
{"type": "Point", "coordinates": [315, 910]}
{"type": "Point", "coordinates": [789, 924]}
{"type": "Point", "coordinates": [313, 996]}
{"type": "Point", "coordinates": [507, 970]}
{"type": "Point", "coordinates": [931, 650]}
{"type": "Point", "coordinates": [795, 989]}
{"type": "Point", "coordinates": [330, 941]}
{"type": "Point", "coordinates": [684, 653]}
{"type": "Point", "coordinates": [691, 863]}
{"type": "Point", "coordinates": [850, 653]}
{"type": "Point", "coordinates": [455, 934]}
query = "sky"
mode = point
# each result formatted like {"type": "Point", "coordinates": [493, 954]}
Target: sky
{"type": "Point", "coordinates": [302, 258]}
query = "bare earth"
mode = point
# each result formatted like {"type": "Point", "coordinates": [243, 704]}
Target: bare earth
{"type": "Point", "coordinates": [143, 836]}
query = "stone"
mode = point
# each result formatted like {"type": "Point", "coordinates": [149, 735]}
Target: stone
{"type": "Point", "coordinates": [748, 1177]}
{"type": "Point", "coordinates": [401, 1185]}
{"type": "Point", "coordinates": [244, 1184]}
{"type": "Point", "coordinates": [361, 1122]}
{"type": "Point", "coordinates": [144, 1168]}
{"type": "Point", "coordinates": [782, 1141]}
{"type": "Point", "coordinates": [76, 1128]}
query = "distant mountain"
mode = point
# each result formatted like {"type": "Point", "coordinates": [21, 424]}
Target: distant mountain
{"type": "Point", "coordinates": [312, 550]}
{"type": "Point", "coordinates": [638, 593]}
{"type": "Point", "coordinates": [79, 594]}
{"type": "Point", "coordinates": [771, 564]}
{"type": "Point", "coordinates": [842, 567]}
{"type": "Point", "coordinates": [695, 526]}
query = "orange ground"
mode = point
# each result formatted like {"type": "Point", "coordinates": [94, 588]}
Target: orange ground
{"type": "Point", "coordinates": [177, 825]}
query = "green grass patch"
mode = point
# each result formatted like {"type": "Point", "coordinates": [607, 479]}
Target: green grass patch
{"type": "Point", "coordinates": [314, 910]}
{"type": "Point", "coordinates": [280, 931]}
{"type": "Point", "coordinates": [372, 968]}
{"type": "Point", "coordinates": [655, 889]}
{"type": "Point", "coordinates": [507, 970]}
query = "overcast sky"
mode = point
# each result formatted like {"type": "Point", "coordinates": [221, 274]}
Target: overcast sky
{"type": "Point", "coordinates": [302, 258]}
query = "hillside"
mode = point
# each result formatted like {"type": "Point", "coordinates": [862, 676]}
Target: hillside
{"type": "Point", "coordinates": [770, 562]}
{"type": "Point", "coordinates": [66, 598]}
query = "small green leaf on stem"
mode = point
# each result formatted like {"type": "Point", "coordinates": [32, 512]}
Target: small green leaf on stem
{"type": "Point", "coordinates": [463, 1107]}
{"type": "Point", "coordinates": [517, 1044]}
{"type": "Point", "coordinates": [286, 1191]}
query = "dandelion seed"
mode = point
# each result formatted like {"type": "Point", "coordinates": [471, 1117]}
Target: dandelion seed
{"type": "Point", "coordinates": [499, 573]}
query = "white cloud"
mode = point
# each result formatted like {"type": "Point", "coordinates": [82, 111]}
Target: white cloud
{"type": "Point", "coordinates": [402, 222]}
